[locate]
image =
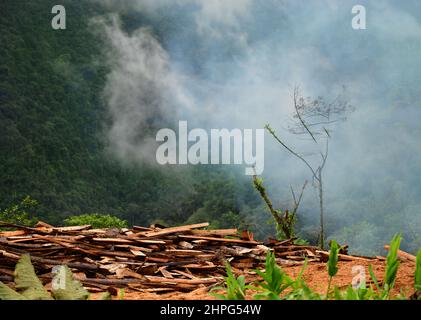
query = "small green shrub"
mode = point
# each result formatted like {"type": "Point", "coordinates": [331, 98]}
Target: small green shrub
{"type": "Point", "coordinates": [277, 285]}
{"type": "Point", "coordinates": [275, 281]}
{"type": "Point", "coordinates": [20, 213]}
{"type": "Point", "coordinates": [235, 287]}
{"type": "Point", "coordinates": [96, 220]}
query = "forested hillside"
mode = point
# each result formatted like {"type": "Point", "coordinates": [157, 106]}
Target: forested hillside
{"type": "Point", "coordinates": [77, 105]}
{"type": "Point", "coordinates": [52, 122]}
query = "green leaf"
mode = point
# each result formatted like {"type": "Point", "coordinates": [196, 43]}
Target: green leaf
{"type": "Point", "coordinates": [418, 272]}
{"type": "Point", "coordinates": [373, 277]}
{"type": "Point", "coordinates": [7, 293]}
{"type": "Point", "coordinates": [27, 281]}
{"type": "Point", "coordinates": [105, 296]}
{"type": "Point", "coordinates": [332, 265]}
{"type": "Point", "coordinates": [392, 263]}
{"type": "Point", "coordinates": [235, 287]}
{"type": "Point", "coordinates": [65, 287]}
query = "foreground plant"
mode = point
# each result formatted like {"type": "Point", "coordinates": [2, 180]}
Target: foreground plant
{"type": "Point", "coordinates": [332, 264]}
{"type": "Point", "coordinates": [29, 287]}
{"type": "Point", "coordinates": [275, 281]}
{"type": "Point", "coordinates": [392, 266]}
{"type": "Point", "coordinates": [277, 285]}
{"type": "Point", "coordinates": [235, 287]}
{"type": "Point", "coordinates": [417, 278]}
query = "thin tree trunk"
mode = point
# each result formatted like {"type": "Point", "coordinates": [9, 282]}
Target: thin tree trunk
{"type": "Point", "coordinates": [322, 232]}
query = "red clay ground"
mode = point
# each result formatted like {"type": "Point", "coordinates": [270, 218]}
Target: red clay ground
{"type": "Point", "coordinates": [315, 276]}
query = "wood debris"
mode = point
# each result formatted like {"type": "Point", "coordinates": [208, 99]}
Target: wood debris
{"type": "Point", "coordinates": [157, 259]}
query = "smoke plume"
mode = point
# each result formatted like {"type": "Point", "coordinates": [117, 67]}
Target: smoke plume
{"type": "Point", "coordinates": [234, 64]}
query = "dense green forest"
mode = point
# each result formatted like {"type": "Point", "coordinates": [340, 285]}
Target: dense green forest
{"type": "Point", "coordinates": [52, 120]}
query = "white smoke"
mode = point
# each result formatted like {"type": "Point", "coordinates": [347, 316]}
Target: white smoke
{"type": "Point", "coordinates": [233, 64]}
{"type": "Point", "coordinates": [141, 90]}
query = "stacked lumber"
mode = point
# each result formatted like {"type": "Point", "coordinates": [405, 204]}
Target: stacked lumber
{"type": "Point", "coordinates": [154, 259]}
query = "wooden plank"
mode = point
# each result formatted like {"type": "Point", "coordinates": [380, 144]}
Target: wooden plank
{"type": "Point", "coordinates": [184, 281]}
{"type": "Point", "coordinates": [7, 234]}
{"type": "Point", "coordinates": [43, 224]}
{"type": "Point", "coordinates": [185, 274]}
{"type": "Point", "coordinates": [225, 240]}
{"type": "Point", "coordinates": [179, 252]}
{"type": "Point", "coordinates": [72, 228]}
{"type": "Point", "coordinates": [152, 290]}
{"type": "Point", "coordinates": [403, 255]}
{"type": "Point", "coordinates": [28, 229]}
{"type": "Point", "coordinates": [18, 239]}
{"type": "Point", "coordinates": [94, 231]}
{"type": "Point", "coordinates": [137, 253]}
{"type": "Point", "coordinates": [149, 241]}
{"type": "Point", "coordinates": [294, 248]}
{"type": "Point", "coordinates": [127, 273]}
{"type": "Point", "coordinates": [138, 228]}
{"type": "Point", "coordinates": [185, 245]}
{"type": "Point", "coordinates": [155, 259]}
{"type": "Point", "coordinates": [135, 238]}
{"type": "Point", "coordinates": [273, 242]}
{"type": "Point", "coordinates": [113, 240]}
{"type": "Point", "coordinates": [167, 231]}
{"type": "Point", "coordinates": [136, 248]}
{"type": "Point", "coordinates": [28, 246]}
{"type": "Point", "coordinates": [200, 267]}
{"type": "Point", "coordinates": [301, 253]}
{"type": "Point", "coordinates": [342, 257]}
{"type": "Point", "coordinates": [75, 265]}
{"type": "Point", "coordinates": [200, 242]}
{"type": "Point", "coordinates": [112, 253]}
{"type": "Point", "coordinates": [166, 273]}
{"type": "Point", "coordinates": [221, 232]}
{"type": "Point", "coordinates": [7, 272]}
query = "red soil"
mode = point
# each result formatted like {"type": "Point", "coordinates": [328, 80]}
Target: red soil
{"type": "Point", "coordinates": [315, 276]}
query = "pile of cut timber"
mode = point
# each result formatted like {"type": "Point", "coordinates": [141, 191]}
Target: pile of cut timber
{"type": "Point", "coordinates": [155, 259]}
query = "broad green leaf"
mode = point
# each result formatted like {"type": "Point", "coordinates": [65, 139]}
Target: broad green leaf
{"type": "Point", "coordinates": [27, 281]}
{"type": "Point", "coordinates": [7, 293]}
{"type": "Point", "coordinates": [65, 287]}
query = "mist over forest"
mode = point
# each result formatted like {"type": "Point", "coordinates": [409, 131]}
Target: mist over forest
{"type": "Point", "coordinates": [80, 108]}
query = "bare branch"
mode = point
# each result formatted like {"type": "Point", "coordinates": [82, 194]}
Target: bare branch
{"type": "Point", "coordinates": [325, 155]}
{"type": "Point", "coordinates": [297, 203]}
{"type": "Point", "coordinates": [272, 132]}
{"type": "Point", "coordinates": [299, 116]}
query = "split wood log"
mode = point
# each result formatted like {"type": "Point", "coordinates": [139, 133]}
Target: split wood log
{"type": "Point", "coordinates": [74, 265]}
{"type": "Point", "coordinates": [403, 255]}
{"type": "Point", "coordinates": [167, 231]}
{"type": "Point", "coordinates": [137, 257]}
{"type": "Point", "coordinates": [184, 281]}
{"type": "Point", "coordinates": [342, 257]}
{"type": "Point", "coordinates": [223, 232]}
{"type": "Point", "coordinates": [226, 240]}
